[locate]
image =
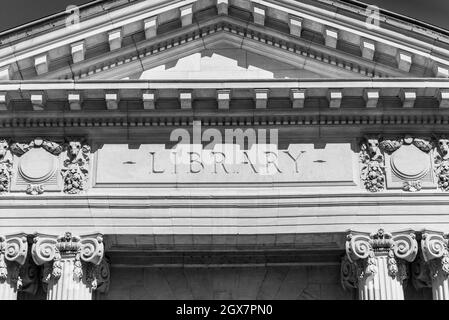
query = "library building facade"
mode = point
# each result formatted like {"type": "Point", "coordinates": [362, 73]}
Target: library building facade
{"type": "Point", "coordinates": [224, 149]}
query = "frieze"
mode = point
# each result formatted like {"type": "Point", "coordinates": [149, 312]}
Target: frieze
{"type": "Point", "coordinates": [154, 165]}
{"type": "Point", "coordinates": [410, 163]}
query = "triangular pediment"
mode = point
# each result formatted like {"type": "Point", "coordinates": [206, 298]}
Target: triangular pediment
{"type": "Point", "coordinates": [223, 61]}
{"type": "Point", "coordinates": [247, 38]}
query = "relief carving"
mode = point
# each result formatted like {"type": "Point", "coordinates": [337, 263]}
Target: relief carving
{"type": "Point", "coordinates": [85, 250]}
{"type": "Point", "coordinates": [390, 145]}
{"type": "Point", "coordinates": [408, 160]}
{"type": "Point", "coordinates": [435, 252]}
{"type": "Point", "coordinates": [20, 149]}
{"type": "Point", "coordinates": [412, 186]}
{"type": "Point", "coordinates": [27, 163]}
{"type": "Point", "coordinates": [373, 175]}
{"type": "Point", "coordinates": [75, 172]}
{"type": "Point", "coordinates": [13, 253]}
{"type": "Point", "coordinates": [36, 168]}
{"type": "Point", "coordinates": [5, 166]}
{"type": "Point", "coordinates": [424, 144]}
{"type": "Point", "coordinates": [373, 160]}
{"type": "Point", "coordinates": [35, 189]}
{"type": "Point", "coordinates": [442, 163]}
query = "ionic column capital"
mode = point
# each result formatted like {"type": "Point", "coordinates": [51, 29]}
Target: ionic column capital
{"type": "Point", "coordinates": [360, 245]}
{"type": "Point", "coordinates": [13, 248]}
{"type": "Point", "coordinates": [434, 247]}
{"type": "Point", "coordinates": [51, 249]}
{"type": "Point", "coordinates": [376, 263]}
{"type": "Point", "coordinates": [365, 247]}
{"type": "Point", "coordinates": [13, 253]}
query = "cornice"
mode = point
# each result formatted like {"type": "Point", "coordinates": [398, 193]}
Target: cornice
{"type": "Point", "coordinates": [49, 104]}
{"type": "Point", "coordinates": [89, 122]}
{"type": "Point", "coordinates": [394, 19]}
{"type": "Point", "coordinates": [334, 16]}
{"type": "Point", "coordinates": [44, 85]}
{"type": "Point", "coordinates": [95, 8]}
{"type": "Point", "coordinates": [396, 43]}
{"type": "Point", "coordinates": [296, 51]}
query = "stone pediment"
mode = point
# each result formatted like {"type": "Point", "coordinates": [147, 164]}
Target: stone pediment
{"type": "Point", "coordinates": [116, 40]}
{"type": "Point", "coordinates": [224, 61]}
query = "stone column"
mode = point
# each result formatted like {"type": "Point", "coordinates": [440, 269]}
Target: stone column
{"type": "Point", "coordinates": [70, 264]}
{"type": "Point", "coordinates": [434, 247]}
{"type": "Point", "coordinates": [376, 264]}
{"type": "Point", "coordinates": [13, 252]}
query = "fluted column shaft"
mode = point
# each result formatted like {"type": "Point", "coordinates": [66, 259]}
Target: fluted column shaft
{"type": "Point", "coordinates": [8, 290]}
{"type": "Point", "coordinates": [440, 287]}
{"type": "Point", "coordinates": [68, 286]}
{"type": "Point", "coordinates": [71, 264]}
{"type": "Point", "coordinates": [13, 252]}
{"type": "Point", "coordinates": [434, 246]}
{"type": "Point", "coordinates": [375, 264]}
{"type": "Point", "coordinates": [380, 285]}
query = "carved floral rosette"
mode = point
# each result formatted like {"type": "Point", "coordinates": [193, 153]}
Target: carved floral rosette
{"type": "Point", "coordinates": [435, 252]}
{"type": "Point", "coordinates": [362, 251]}
{"type": "Point", "coordinates": [13, 253]}
{"type": "Point", "coordinates": [85, 250]}
{"type": "Point", "coordinates": [75, 172]}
